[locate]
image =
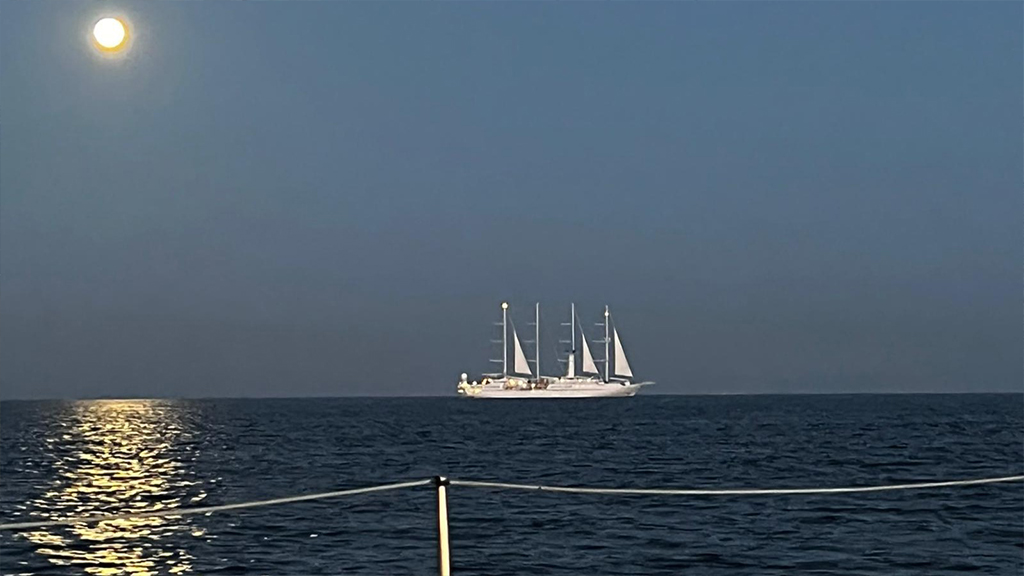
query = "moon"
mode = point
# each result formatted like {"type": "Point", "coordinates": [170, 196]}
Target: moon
{"type": "Point", "coordinates": [110, 34]}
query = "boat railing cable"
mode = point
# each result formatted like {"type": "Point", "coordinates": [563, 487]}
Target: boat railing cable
{"type": "Point", "coordinates": [509, 486]}
{"type": "Point", "coordinates": [441, 485]}
{"type": "Point", "coordinates": [211, 509]}
{"type": "Point", "coordinates": [732, 491]}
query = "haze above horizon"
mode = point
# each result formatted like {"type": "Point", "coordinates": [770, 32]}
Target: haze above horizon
{"type": "Point", "coordinates": [331, 199]}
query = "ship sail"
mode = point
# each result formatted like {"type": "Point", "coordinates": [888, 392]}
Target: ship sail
{"type": "Point", "coordinates": [588, 359]}
{"type": "Point", "coordinates": [521, 365]}
{"type": "Point", "coordinates": [621, 364]}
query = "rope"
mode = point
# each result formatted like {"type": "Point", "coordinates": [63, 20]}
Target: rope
{"type": "Point", "coordinates": [209, 509]}
{"type": "Point", "coordinates": [737, 491]}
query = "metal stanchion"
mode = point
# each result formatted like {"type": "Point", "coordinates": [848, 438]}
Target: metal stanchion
{"type": "Point", "coordinates": [443, 553]}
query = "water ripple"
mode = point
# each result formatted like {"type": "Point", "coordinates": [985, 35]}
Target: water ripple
{"type": "Point", "coordinates": [64, 459]}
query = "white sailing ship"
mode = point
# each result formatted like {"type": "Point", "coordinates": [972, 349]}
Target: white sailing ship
{"type": "Point", "coordinates": [520, 380]}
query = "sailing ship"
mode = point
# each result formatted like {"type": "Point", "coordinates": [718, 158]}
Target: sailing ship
{"type": "Point", "coordinates": [521, 380]}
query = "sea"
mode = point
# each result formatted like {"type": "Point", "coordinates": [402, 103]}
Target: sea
{"type": "Point", "coordinates": [61, 459]}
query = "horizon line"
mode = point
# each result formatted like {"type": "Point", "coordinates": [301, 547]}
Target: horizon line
{"type": "Point", "coordinates": [453, 396]}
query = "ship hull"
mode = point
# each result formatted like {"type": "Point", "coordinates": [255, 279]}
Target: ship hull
{"type": "Point", "coordinates": [598, 391]}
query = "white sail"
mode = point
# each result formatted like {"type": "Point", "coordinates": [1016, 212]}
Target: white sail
{"type": "Point", "coordinates": [521, 365]}
{"type": "Point", "coordinates": [621, 364]}
{"type": "Point", "coordinates": [588, 360]}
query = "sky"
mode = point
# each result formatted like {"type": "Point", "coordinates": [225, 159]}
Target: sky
{"type": "Point", "coordinates": [333, 198]}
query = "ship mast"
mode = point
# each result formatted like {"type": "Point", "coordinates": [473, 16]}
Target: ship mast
{"type": "Point", "coordinates": [570, 359]}
{"type": "Point", "coordinates": [536, 340]}
{"type": "Point", "coordinates": [572, 341]}
{"type": "Point", "coordinates": [573, 322]}
{"type": "Point", "coordinates": [504, 339]}
{"type": "Point", "coordinates": [607, 341]}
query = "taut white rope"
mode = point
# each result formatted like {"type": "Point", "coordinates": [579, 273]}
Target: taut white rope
{"type": "Point", "coordinates": [208, 509]}
{"type": "Point", "coordinates": [736, 491]}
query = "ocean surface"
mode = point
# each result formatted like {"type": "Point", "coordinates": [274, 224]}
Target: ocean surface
{"type": "Point", "coordinates": [60, 459]}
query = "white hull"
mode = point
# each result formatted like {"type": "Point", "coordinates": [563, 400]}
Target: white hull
{"type": "Point", "coordinates": [563, 388]}
{"type": "Point", "coordinates": [609, 391]}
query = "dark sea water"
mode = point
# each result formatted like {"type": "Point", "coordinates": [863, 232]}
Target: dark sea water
{"type": "Point", "coordinates": [61, 459]}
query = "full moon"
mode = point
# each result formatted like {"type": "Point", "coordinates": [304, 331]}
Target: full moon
{"type": "Point", "coordinates": [110, 34]}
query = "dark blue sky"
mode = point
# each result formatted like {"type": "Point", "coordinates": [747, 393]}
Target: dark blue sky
{"type": "Point", "coordinates": [333, 198]}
